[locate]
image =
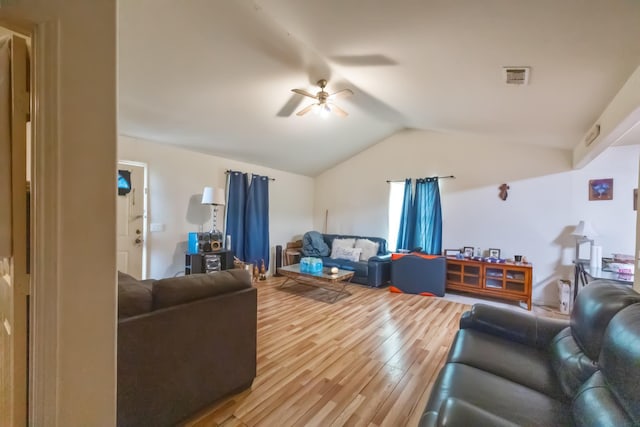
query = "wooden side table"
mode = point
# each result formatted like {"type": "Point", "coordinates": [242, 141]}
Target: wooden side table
{"type": "Point", "coordinates": [291, 256]}
{"type": "Point", "coordinates": [292, 253]}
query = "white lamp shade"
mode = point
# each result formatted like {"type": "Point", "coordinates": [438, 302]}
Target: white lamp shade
{"type": "Point", "coordinates": [584, 229]}
{"type": "Point", "coordinates": [213, 196]}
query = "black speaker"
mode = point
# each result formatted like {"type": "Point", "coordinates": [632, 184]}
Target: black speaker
{"type": "Point", "coordinates": [278, 259]}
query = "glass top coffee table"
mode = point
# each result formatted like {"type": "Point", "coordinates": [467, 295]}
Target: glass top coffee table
{"type": "Point", "coordinates": [324, 279]}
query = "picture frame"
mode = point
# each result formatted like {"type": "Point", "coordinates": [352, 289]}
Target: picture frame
{"type": "Point", "coordinates": [467, 251]}
{"type": "Point", "coordinates": [494, 253]}
{"type": "Point", "coordinates": [601, 189]}
{"type": "Point", "coordinates": [452, 252]}
{"type": "Point", "coordinates": [635, 199]}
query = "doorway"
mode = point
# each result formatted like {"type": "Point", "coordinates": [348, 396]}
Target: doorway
{"type": "Point", "coordinates": [132, 218]}
{"type": "Point", "coordinates": [14, 227]}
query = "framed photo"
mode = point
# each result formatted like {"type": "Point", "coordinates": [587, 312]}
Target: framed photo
{"type": "Point", "coordinates": [494, 253]}
{"type": "Point", "coordinates": [601, 189]}
{"type": "Point", "coordinates": [635, 199]}
{"type": "Point", "coordinates": [452, 252]}
{"type": "Point", "coordinates": [468, 251]}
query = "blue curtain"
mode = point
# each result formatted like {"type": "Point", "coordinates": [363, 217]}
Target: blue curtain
{"type": "Point", "coordinates": [236, 206]}
{"type": "Point", "coordinates": [427, 217]}
{"type": "Point", "coordinates": [256, 244]}
{"type": "Point", "coordinates": [404, 233]}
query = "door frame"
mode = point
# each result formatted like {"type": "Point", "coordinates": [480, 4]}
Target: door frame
{"type": "Point", "coordinates": [45, 284]}
{"type": "Point", "coordinates": [145, 227]}
{"type": "Point", "coordinates": [45, 231]}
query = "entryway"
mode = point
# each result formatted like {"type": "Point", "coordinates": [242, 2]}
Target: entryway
{"type": "Point", "coordinates": [132, 218]}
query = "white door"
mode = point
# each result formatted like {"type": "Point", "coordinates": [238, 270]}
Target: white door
{"type": "Point", "coordinates": [14, 259]}
{"type": "Point", "coordinates": [131, 220]}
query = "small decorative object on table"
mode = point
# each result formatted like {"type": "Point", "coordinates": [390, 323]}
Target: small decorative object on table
{"type": "Point", "coordinates": [451, 252]}
{"type": "Point", "coordinates": [334, 270]}
{"type": "Point", "coordinates": [263, 271]}
{"type": "Point", "coordinates": [467, 251]}
{"type": "Point", "coordinates": [494, 253]}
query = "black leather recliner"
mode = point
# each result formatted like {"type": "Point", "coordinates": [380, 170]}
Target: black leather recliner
{"type": "Point", "coordinates": [509, 368]}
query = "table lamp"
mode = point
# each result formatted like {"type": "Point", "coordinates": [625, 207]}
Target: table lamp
{"type": "Point", "coordinates": [584, 233]}
{"type": "Point", "coordinates": [214, 197]}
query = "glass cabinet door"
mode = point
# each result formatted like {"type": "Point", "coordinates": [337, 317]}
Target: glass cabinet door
{"type": "Point", "coordinates": [471, 275]}
{"type": "Point", "coordinates": [515, 280]}
{"type": "Point", "coordinates": [494, 278]}
{"type": "Point", "coordinates": [454, 272]}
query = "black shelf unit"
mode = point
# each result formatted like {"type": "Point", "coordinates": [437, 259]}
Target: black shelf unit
{"type": "Point", "coordinates": [205, 262]}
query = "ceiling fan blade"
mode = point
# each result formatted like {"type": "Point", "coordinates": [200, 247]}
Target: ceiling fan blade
{"type": "Point", "coordinates": [339, 111]}
{"type": "Point", "coordinates": [341, 93]}
{"type": "Point", "coordinates": [290, 107]}
{"type": "Point", "coordinates": [305, 110]}
{"type": "Point", "coordinates": [362, 60]}
{"type": "Point", "coordinates": [305, 93]}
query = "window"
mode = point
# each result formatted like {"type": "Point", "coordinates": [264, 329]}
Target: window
{"type": "Point", "coordinates": [396, 196]}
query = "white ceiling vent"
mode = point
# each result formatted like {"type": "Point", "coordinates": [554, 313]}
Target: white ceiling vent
{"type": "Point", "coordinates": [516, 75]}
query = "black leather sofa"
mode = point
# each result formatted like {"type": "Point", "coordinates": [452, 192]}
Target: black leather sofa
{"type": "Point", "coordinates": [509, 368]}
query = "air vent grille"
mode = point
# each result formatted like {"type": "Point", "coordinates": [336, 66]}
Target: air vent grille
{"type": "Point", "coordinates": [516, 75]}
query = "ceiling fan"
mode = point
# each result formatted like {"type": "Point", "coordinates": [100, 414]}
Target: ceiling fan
{"type": "Point", "coordinates": [324, 106]}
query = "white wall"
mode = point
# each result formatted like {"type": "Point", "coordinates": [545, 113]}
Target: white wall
{"type": "Point", "coordinates": [176, 179]}
{"type": "Point", "coordinates": [546, 200]}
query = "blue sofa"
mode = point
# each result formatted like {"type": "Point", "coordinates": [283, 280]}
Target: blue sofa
{"type": "Point", "coordinates": [376, 272]}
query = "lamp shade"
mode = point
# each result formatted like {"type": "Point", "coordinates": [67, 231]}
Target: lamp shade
{"type": "Point", "coordinates": [213, 196]}
{"type": "Point", "coordinates": [584, 229]}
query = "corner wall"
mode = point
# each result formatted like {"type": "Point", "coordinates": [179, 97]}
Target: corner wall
{"type": "Point", "coordinates": [546, 199]}
{"type": "Point", "coordinates": [176, 178]}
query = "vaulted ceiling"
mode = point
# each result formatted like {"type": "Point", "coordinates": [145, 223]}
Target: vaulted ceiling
{"type": "Point", "coordinates": [216, 76]}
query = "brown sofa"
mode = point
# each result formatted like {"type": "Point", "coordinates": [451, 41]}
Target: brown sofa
{"type": "Point", "coordinates": [182, 344]}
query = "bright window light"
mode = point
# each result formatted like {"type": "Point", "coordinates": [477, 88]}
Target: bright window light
{"type": "Point", "coordinates": [396, 195]}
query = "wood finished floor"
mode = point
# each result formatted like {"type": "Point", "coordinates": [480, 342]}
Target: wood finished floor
{"type": "Point", "coordinates": [368, 359]}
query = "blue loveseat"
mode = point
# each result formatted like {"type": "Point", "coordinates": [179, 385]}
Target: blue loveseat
{"type": "Point", "coordinates": [375, 272]}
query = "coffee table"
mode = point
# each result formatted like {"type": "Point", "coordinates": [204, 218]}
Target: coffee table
{"type": "Point", "coordinates": [324, 279]}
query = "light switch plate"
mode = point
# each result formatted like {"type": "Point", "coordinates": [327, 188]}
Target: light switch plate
{"type": "Point", "coordinates": [156, 226]}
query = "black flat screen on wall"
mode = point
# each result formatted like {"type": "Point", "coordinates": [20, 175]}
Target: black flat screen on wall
{"type": "Point", "coordinates": [124, 182]}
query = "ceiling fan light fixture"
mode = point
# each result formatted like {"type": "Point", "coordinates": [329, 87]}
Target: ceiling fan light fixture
{"type": "Point", "coordinates": [325, 110]}
{"type": "Point", "coordinates": [323, 107]}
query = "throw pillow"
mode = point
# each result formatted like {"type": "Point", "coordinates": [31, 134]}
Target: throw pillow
{"type": "Point", "coordinates": [341, 243]}
{"type": "Point", "coordinates": [369, 248]}
{"type": "Point", "coordinates": [350, 254]}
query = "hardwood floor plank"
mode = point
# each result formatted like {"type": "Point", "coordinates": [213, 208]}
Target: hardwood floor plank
{"type": "Point", "coordinates": [368, 359]}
